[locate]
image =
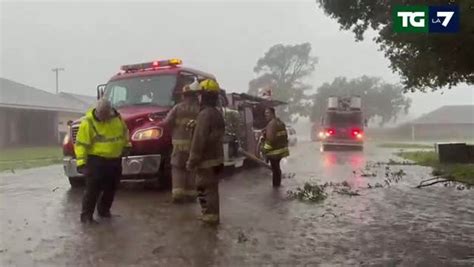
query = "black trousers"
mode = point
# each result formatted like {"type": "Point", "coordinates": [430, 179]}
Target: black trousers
{"type": "Point", "coordinates": [101, 184]}
{"type": "Point", "coordinates": [275, 164]}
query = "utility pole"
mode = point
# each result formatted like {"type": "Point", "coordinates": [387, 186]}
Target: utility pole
{"type": "Point", "coordinates": [57, 70]}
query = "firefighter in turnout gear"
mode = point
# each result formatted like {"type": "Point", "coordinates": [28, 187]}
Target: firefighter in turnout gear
{"type": "Point", "coordinates": [181, 119]}
{"type": "Point", "coordinates": [101, 142]}
{"type": "Point", "coordinates": [276, 144]}
{"type": "Point", "coordinates": [206, 155]}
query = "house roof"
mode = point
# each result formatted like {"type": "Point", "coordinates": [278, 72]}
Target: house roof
{"type": "Point", "coordinates": [85, 101]}
{"type": "Point", "coordinates": [17, 95]}
{"type": "Point", "coordinates": [448, 115]}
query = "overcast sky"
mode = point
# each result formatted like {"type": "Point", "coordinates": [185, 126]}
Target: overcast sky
{"type": "Point", "coordinates": [91, 40]}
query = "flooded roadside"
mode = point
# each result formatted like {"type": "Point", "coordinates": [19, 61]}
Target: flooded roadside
{"type": "Point", "coordinates": [391, 225]}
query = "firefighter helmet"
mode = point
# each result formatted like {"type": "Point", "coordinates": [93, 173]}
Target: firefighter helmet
{"type": "Point", "coordinates": [210, 86]}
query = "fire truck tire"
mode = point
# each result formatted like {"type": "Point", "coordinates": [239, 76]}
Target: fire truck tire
{"type": "Point", "coordinates": [77, 181]}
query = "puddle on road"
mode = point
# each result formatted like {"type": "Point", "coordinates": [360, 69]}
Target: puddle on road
{"type": "Point", "coordinates": [391, 224]}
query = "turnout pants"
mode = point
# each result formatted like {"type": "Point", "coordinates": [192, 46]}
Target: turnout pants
{"type": "Point", "coordinates": [276, 170]}
{"type": "Point", "coordinates": [184, 185]}
{"type": "Point", "coordinates": [101, 184]}
{"type": "Point", "coordinates": [207, 184]}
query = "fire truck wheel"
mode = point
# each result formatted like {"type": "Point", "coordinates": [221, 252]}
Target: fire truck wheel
{"type": "Point", "coordinates": [77, 181]}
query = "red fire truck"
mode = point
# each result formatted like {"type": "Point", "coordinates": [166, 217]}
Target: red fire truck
{"type": "Point", "coordinates": [143, 94]}
{"type": "Point", "coordinates": [342, 126]}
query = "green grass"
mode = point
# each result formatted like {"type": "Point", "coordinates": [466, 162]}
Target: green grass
{"type": "Point", "coordinates": [29, 157]}
{"type": "Point", "coordinates": [459, 172]}
{"type": "Point", "coordinates": [406, 145]}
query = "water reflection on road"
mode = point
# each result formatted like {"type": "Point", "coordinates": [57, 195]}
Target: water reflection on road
{"type": "Point", "coordinates": [394, 225]}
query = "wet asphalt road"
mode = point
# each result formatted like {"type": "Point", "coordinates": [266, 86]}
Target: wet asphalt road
{"type": "Point", "coordinates": [397, 225]}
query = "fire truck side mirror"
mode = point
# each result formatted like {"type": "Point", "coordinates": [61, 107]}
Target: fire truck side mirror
{"type": "Point", "coordinates": [100, 90]}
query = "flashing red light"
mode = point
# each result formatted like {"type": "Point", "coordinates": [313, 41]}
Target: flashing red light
{"type": "Point", "coordinates": [152, 65]}
{"type": "Point", "coordinates": [357, 133]}
{"type": "Point", "coordinates": [330, 132]}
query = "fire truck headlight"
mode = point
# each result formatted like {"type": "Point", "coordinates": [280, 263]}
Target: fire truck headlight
{"type": "Point", "coordinates": [322, 135]}
{"type": "Point", "coordinates": [147, 134]}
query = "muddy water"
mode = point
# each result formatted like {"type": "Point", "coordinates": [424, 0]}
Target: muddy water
{"type": "Point", "coordinates": [397, 225]}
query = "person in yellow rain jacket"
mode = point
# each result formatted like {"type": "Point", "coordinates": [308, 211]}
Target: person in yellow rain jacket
{"type": "Point", "coordinates": [101, 142]}
{"type": "Point", "coordinates": [276, 143]}
{"type": "Point", "coordinates": [206, 155]}
{"type": "Point", "coordinates": [179, 119]}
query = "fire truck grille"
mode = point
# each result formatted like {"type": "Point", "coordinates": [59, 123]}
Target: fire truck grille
{"type": "Point", "coordinates": [74, 131]}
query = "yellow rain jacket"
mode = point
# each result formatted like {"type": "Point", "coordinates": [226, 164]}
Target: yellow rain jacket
{"type": "Point", "coordinates": [104, 139]}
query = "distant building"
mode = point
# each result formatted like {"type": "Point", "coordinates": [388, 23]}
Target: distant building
{"type": "Point", "coordinates": [83, 102]}
{"type": "Point", "coordinates": [447, 122]}
{"type": "Point", "coordinates": [33, 117]}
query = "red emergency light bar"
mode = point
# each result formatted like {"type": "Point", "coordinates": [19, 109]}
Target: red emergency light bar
{"type": "Point", "coordinates": [152, 65]}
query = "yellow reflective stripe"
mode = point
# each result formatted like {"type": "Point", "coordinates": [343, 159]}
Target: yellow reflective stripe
{"type": "Point", "coordinates": [210, 163]}
{"type": "Point", "coordinates": [181, 148]}
{"type": "Point", "coordinates": [181, 192]}
{"type": "Point", "coordinates": [178, 192]}
{"type": "Point", "coordinates": [281, 133]}
{"type": "Point", "coordinates": [267, 146]}
{"type": "Point", "coordinates": [278, 151]}
{"type": "Point", "coordinates": [103, 139]}
{"type": "Point", "coordinates": [181, 141]}
{"type": "Point", "coordinates": [210, 218]}
{"type": "Point", "coordinates": [181, 144]}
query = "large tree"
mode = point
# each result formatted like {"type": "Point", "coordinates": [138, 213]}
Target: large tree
{"type": "Point", "coordinates": [380, 100]}
{"type": "Point", "coordinates": [283, 68]}
{"type": "Point", "coordinates": [423, 60]}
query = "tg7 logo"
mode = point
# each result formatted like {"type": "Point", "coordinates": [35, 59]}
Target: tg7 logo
{"type": "Point", "coordinates": [422, 19]}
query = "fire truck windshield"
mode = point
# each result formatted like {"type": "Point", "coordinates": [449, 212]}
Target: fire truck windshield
{"type": "Point", "coordinates": [343, 118]}
{"type": "Point", "coordinates": [150, 90]}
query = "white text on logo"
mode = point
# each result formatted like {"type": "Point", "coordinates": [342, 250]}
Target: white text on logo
{"type": "Point", "coordinates": [411, 17]}
{"type": "Point", "coordinates": [447, 15]}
